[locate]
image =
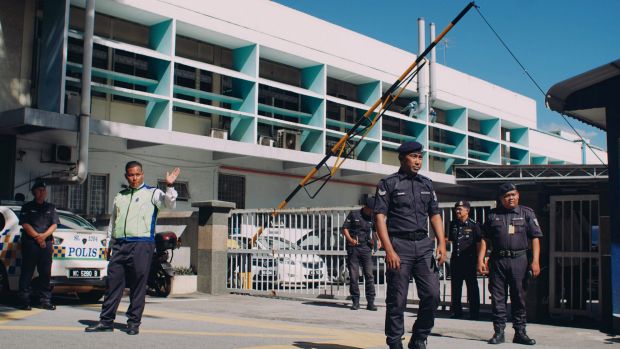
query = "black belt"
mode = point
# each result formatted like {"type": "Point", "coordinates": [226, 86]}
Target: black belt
{"type": "Point", "coordinates": [418, 235]}
{"type": "Point", "coordinates": [509, 253]}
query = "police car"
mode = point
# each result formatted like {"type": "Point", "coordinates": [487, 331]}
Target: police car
{"type": "Point", "coordinates": [78, 261]}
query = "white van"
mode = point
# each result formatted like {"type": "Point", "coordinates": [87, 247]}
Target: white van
{"type": "Point", "coordinates": [78, 262]}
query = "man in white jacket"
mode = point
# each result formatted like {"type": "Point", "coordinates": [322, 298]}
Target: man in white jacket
{"type": "Point", "coordinates": [132, 230]}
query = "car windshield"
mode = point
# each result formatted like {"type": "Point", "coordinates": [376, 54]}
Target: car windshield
{"type": "Point", "coordinates": [73, 221]}
{"type": "Point", "coordinates": [68, 220]}
{"type": "Point", "coordinates": [277, 243]}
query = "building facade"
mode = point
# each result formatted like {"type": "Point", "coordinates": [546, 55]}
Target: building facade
{"type": "Point", "coordinates": [244, 102]}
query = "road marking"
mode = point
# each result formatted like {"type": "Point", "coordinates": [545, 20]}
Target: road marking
{"type": "Point", "coordinates": [13, 315]}
{"type": "Point", "coordinates": [155, 331]}
{"type": "Point", "coordinates": [168, 300]}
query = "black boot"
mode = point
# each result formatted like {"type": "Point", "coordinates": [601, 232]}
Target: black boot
{"type": "Point", "coordinates": [417, 344]}
{"type": "Point", "coordinates": [356, 304]}
{"type": "Point", "coordinates": [498, 337]}
{"type": "Point", "coordinates": [371, 305]}
{"type": "Point", "coordinates": [522, 338]}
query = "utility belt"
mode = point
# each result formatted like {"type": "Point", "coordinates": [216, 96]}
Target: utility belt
{"type": "Point", "coordinates": [508, 253]}
{"type": "Point", "coordinates": [361, 239]}
{"type": "Point", "coordinates": [415, 236]}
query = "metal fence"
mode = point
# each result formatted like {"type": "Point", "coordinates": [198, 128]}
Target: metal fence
{"type": "Point", "coordinates": [302, 251]}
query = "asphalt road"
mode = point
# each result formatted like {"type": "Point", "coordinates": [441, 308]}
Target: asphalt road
{"type": "Point", "coordinates": [241, 321]}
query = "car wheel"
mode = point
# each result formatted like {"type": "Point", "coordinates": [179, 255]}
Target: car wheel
{"type": "Point", "coordinates": [91, 297]}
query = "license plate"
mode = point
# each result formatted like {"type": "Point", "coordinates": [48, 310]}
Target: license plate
{"type": "Point", "coordinates": [83, 273]}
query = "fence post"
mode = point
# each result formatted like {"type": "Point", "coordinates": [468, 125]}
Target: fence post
{"type": "Point", "coordinates": [212, 237]}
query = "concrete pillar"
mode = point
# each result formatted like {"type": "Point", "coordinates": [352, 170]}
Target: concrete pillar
{"type": "Point", "coordinates": [212, 237]}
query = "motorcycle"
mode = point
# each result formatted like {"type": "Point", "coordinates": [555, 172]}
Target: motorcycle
{"type": "Point", "coordinates": [161, 273]}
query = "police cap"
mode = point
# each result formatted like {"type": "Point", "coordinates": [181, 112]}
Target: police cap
{"type": "Point", "coordinates": [370, 202]}
{"type": "Point", "coordinates": [409, 147]}
{"type": "Point", "coordinates": [463, 203]}
{"type": "Point", "coordinates": [38, 184]}
{"type": "Point", "coordinates": [504, 188]}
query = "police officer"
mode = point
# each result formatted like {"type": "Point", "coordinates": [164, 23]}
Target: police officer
{"type": "Point", "coordinates": [464, 234]}
{"type": "Point", "coordinates": [404, 201]}
{"type": "Point", "coordinates": [357, 230]}
{"type": "Point", "coordinates": [132, 227]}
{"type": "Point", "coordinates": [39, 220]}
{"type": "Point", "coordinates": [508, 229]}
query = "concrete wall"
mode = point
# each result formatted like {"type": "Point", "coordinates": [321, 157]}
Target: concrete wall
{"type": "Point", "coordinates": [16, 29]}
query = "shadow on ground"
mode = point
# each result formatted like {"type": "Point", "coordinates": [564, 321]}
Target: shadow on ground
{"type": "Point", "coordinates": [310, 345]}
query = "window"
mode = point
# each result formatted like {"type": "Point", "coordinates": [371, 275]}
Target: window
{"type": "Point", "coordinates": [89, 198]}
{"type": "Point", "coordinates": [279, 72]}
{"type": "Point", "coordinates": [231, 188]}
{"type": "Point", "coordinates": [182, 189]}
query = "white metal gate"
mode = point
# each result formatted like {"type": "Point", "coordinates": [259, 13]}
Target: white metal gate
{"type": "Point", "coordinates": [302, 251]}
{"type": "Point", "coordinates": [575, 260]}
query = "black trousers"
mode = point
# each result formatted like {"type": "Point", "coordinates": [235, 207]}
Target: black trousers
{"type": "Point", "coordinates": [129, 266]}
{"type": "Point", "coordinates": [356, 256]}
{"type": "Point", "coordinates": [508, 273]}
{"type": "Point", "coordinates": [416, 259]}
{"type": "Point", "coordinates": [464, 269]}
{"type": "Point", "coordinates": [34, 256]}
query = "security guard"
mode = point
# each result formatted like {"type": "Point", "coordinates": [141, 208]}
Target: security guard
{"type": "Point", "coordinates": [404, 202]}
{"type": "Point", "coordinates": [132, 227]}
{"type": "Point", "coordinates": [464, 234]}
{"type": "Point", "coordinates": [357, 230]}
{"type": "Point", "coordinates": [39, 220]}
{"type": "Point", "coordinates": [508, 229]}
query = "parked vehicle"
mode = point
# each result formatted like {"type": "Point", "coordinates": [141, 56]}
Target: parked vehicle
{"type": "Point", "coordinates": [275, 263]}
{"type": "Point", "coordinates": [160, 276]}
{"type": "Point", "coordinates": [79, 263]}
{"type": "Point", "coordinates": [333, 241]}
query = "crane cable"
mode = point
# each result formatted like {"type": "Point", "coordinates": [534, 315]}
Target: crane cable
{"type": "Point", "coordinates": [531, 78]}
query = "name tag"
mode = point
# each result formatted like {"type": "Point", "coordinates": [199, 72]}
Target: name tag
{"type": "Point", "coordinates": [511, 229]}
{"type": "Point", "coordinates": [425, 192]}
{"type": "Point", "coordinates": [400, 193]}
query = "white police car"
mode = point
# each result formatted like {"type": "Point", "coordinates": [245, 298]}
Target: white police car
{"type": "Point", "coordinates": [78, 262]}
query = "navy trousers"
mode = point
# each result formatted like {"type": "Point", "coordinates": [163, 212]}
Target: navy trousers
{"type": "Point", "coordinates": [356, 256]}
{"type": "Point", "coordinates": [464, 269]}
{"type": "Point", "coordinates": [34, 256]}
{"type": "Point", "coordinates": [505, 273]}
{"type": "Point", "coordinates": [128, 267]}
{"type": "Point", "coordinates": [417, 261]}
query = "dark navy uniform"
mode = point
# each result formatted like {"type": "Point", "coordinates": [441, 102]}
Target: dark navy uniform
{"type": "Point", "coordinates": [464, 237]}
{"type": "Point", "coordinates": [509, 231]}
{"type": "Point", "coordinates": [40, 217]}
{"type": "Point", "coordinates": [360, 228]}
{"type": "Point", "coordinates": [407, 201]}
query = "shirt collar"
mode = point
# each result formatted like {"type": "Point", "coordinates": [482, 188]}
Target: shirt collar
{"type": "Point", "coordinates": [405, 175]}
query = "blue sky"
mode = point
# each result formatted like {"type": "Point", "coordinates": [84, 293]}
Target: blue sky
{"type": "Point", "coordinates": [553, 39]}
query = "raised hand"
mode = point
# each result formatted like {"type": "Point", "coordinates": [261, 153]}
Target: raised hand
{"type": "Point", "coordinates": [171, 177]}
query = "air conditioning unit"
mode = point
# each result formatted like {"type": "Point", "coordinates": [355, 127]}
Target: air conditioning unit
{"type": "Point", "coordinates": [267, 141]}
{"type": "Point", "coordinates": [74, 103]}
{"type": "Point", "coordinates": [219, 133]}
{"type": "Point", "coordinates": [62, 154]}
{"type": "Point", "coordinates": [289, 139]}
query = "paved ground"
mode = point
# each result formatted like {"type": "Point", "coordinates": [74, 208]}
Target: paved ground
{"type": "Point", "coordinates": [238, 321]}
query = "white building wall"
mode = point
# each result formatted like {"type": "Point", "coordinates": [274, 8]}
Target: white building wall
{"type": "Point", "coordinates": [555, 147]}
{"type": "Point", "coordinates": [266, 185]}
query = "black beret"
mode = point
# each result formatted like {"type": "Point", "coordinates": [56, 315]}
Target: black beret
{"type": "Point", "coordinates": [504, 188]}
{"type": "Point", "coordinates": [463, 203]}
{"type": "Point", "coordinates": [370, 202]}
{"type": "Point", "coordinates": [38, 184]}
{"type": "Point", "coordinates": [409, 147]}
